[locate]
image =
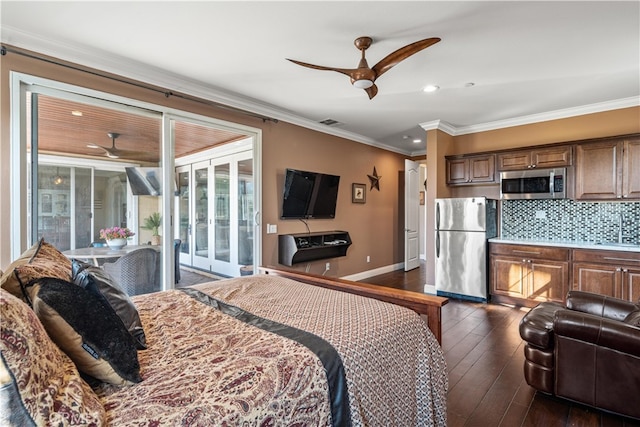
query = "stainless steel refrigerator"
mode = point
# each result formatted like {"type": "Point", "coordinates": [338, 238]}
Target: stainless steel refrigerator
{"type": "Point", "coordinates": [463, 226]}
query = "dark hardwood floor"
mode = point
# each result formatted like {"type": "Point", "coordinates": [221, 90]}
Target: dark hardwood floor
{"type": "Point", "coordinates": [485, 358]}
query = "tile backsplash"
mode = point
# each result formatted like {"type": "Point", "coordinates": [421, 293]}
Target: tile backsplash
{"type": "Point", "coordinates": [567, 220]}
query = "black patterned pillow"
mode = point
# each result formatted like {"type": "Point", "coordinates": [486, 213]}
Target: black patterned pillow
{"type": "Point", "coordinates": [97, 281]}
{"type": "Point", "coordinates": [86, 328]}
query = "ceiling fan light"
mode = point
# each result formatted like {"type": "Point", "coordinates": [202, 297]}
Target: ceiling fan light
{"type": "Point", "coordinates": [363, 84]}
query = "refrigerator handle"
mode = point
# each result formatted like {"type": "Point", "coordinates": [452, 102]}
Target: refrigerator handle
{"type": "Point", "coordinates": [437, 244]}
{"type": "Point", "coordinates": [437, 216]}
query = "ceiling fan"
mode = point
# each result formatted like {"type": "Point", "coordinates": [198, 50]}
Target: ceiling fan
{"type": "Point", "coordinates": [364, 77]}
{"type": "Point", "coordinates": [113, 152]}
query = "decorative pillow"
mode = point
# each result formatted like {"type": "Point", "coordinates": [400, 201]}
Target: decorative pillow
{"type": "Point", "coordinates": [86, 328]}
{"type": "Point", "coordinates": [44, 261]}
{"type": "Point", "coordinates": [9, 281]}
{"type": "Point", "coordinates": [633, 318]}
{"type": "Point", "coordinates": [38, 382]}
{"type": "Point", "coordinates": [98, 282]}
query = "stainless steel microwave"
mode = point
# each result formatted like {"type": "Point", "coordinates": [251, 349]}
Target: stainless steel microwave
{"type": "Point", "coordinates": [534, 184]}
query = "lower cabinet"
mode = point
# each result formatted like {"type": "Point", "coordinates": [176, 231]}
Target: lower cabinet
{"type": "Point", "coordinates": [611, 273]}
{"type": "Point", "coordinates": [528, 274]}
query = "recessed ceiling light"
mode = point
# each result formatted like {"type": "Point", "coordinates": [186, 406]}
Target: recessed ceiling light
{"type": "Point", "coordinates": [417, 140]}
{"type": "Point", "coordinates": [431, 88]}
{"type": "Point", "coordinates": [76, 113]}
{"type": "Point", "coordinates": [470, 84]}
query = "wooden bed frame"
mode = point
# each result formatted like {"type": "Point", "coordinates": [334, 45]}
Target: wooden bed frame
{"type": "Point", "coordinates": [428, 305]}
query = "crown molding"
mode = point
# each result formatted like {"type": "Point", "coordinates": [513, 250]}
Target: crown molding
{"type": "Point", "coordinates": [440, 125]}
{"type": "Point", "coordinates": [533, 118]}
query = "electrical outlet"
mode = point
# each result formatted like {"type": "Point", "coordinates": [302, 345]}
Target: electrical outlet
{"type": "Point", "coordinates": [368, 258]}
{"type": "Point", "coordinates": [327, 266]}
{"type": "Point", "coordinates": [272, 228]}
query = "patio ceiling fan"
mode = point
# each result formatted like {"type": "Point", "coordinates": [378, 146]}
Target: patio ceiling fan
{"type": "Point", "coordinates": [112, 152]}
{"type": "Point", "coordinates": [364, 77]}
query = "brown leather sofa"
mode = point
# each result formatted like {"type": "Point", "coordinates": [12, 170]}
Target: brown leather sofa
{"type": "Point", "coordinates": [587, 351]}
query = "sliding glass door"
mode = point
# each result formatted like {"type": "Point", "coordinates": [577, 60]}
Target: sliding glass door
{"type": "Point", "coordinates": [72, 151]}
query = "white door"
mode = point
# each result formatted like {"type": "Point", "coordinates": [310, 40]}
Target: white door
{"type": "Point", "coordinates": [411, 215]}
{"type": "Point", "coordinates": [183, 213]}
{"type": "Point", "coordinates": [232, 207]}
{"type": "Point", "coordinates": [201, 214]}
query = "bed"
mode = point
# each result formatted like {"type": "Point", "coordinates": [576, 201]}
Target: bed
{"type": "Point", "coordinates": [277, 348]}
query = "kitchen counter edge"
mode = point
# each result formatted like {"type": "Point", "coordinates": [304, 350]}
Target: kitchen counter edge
{"type": "Point", "coordinates": [568, 244]}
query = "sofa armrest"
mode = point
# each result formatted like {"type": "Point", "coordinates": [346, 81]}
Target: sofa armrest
{"type": "Point", "coordinates": [599, 305]}
{"type": "Point", "coordinates": [598, 330]}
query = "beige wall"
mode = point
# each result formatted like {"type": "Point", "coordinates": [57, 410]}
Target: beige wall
{"type": "Point", "coordinates": [596, 125]}
{"type": "Point", "coordinates": [373, 226]}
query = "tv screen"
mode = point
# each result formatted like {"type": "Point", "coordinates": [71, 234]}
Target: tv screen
{"type": "Point", "coordinates": [144, 181]}
{"type": "Point", "coordinates": [309, 195]}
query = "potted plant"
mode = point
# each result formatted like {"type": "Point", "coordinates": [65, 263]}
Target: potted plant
{"type": "Point", "coordinates": [153, 222]}
{"type": "Point", "coordinates": [116, 237]}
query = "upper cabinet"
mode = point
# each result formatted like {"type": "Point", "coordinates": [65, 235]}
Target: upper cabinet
{"type": "Point", "coordinates": [608, 170]}
{"type": "Point", "coordinates": [550, 157]}
{"type": "Point", "coordinates": [467, 170]}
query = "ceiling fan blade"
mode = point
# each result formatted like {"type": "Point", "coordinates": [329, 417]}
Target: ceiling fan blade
{"type": "Point", "coordinates": [345, 71]}
{"type": "Point", "coordinates": [109, 152]}
{"type": "Point", "coordinates": [372, 91]}
{"type": "Point", "coordinates": [401, 54]}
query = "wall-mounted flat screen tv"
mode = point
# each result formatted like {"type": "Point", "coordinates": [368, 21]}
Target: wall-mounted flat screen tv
{"type": "Point", "coordinates": [309, 195]}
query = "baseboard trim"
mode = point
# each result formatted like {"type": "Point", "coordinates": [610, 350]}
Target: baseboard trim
{"type": "Point", "coordinates": [375, 272]}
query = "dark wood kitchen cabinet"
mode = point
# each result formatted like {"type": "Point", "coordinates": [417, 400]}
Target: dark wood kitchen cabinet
{"type": "Point", "coordinates": [550, 157]}
{"type": "Point", "coordinates": [467, 170]}
{"type": "Point", "coordinates": [608, 170]}
{"type": "Point", "coordinates": [611, 273]}
{"type": "Point", "coordinates": [527, 275]}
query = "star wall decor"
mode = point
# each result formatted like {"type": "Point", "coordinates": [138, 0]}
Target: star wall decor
{"type": "Point", "coordinates": [375, 180]}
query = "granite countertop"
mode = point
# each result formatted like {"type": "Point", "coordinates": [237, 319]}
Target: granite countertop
{"type": "Point", "coordinates": [569, 244]}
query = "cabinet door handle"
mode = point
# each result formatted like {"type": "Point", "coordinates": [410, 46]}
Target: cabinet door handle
{"type": "Point", "coordinates": [516, 251]}
{"type": "Point", "coordinates": [611, 258]}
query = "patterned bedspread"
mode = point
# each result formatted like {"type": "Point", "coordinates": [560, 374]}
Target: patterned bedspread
{"type": "Point", "coordinates": [204, 367]}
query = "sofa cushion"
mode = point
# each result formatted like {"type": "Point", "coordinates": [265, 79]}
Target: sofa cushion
{"type": "Point", "coordinates": [38, 382]}
{"type": "Point", "coordinates": [86, 328]}
{"type": "Point", "coordinates": [97, 281]}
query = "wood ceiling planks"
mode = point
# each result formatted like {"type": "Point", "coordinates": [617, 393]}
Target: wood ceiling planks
{"type": "Point", "coordinates": [61, 132]}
